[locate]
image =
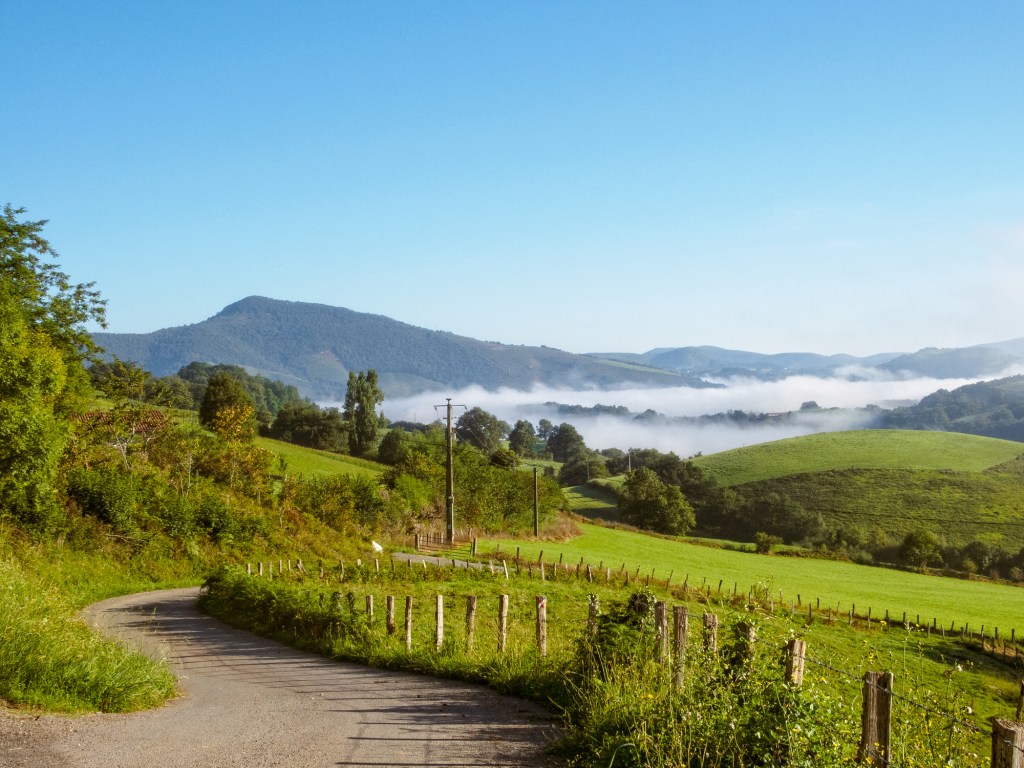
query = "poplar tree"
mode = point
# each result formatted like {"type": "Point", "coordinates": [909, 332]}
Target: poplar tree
{"type": "Point", "coordinates": [362, 396]}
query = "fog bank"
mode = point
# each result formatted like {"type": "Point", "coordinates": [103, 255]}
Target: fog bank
{"type": "Point", "coordinates": [846, 392]}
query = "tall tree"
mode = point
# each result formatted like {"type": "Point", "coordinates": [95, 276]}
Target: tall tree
{"type": "Point", "coordinates": [522, 438]}
{"type": "Point", "coordinates": [565, 442]}
{"type": "Point", "coordinates": [42, 341]}
{"type": "Point", "coordinates": [481, 429]}
{"type": "Point", "coordinates": [362, 397]}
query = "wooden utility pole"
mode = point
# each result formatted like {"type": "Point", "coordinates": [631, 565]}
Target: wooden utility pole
{"type": "Point", "coordinates": [449, 481]}
{"type": "Point", "coordinates": [449, 521]}
{"type": "Point", "coordinates": [536, 505]}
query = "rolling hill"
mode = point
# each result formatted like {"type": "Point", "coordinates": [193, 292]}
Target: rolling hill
{"type": "Point", "coordinates": [883, 484]}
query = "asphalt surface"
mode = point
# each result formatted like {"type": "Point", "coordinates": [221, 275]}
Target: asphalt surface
{"type": "Point", "coordinates": [248, 701]}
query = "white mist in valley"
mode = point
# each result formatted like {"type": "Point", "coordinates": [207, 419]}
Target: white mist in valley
{"type": "Point", "coordinates": [842, 400]}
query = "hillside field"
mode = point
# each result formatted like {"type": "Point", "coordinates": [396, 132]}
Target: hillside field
{"type": "Point", "coordinates": [837, 584]}
{"type": "Point", "coordinates": [309, 463]}
{"type": "Point", "coordinates": [859, 449]}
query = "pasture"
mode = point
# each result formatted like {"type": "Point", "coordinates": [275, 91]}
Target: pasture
{"type": "Point", "coordinates": [859, 449]}
{"type": "Point", "coordinates": [307, 462]}
{"type": "Point", "coordinates": [838, 585]}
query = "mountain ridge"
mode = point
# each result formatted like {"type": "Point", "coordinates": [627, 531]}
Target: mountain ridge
{"type": "Point", "coordinates": [314, 346]}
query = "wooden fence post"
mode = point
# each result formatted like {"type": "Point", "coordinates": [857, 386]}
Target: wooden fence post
{"type": "Point", "coordinates": [661, 632]}
{"type": "Point", "coordinates": [502, 623]}
{"type": "Point", "coordinates": [439, 621]}
{"type": "Point", "coordinates": [408, 622]}
{"type": "Point", "coordinates": [593, 611]}
{"type": "Point", "coordinates": [369, 609]}
{"type": "Point", "coordinates": [259, 568]}
{"type": "Point", "coordinates": [542, 625]}
{"type": "Point", "coordinates": [746, 636]}
{"type": "Point", "coordinates": [796, 658]}
{"type": "Point", "coordinates": [248, 569]}
{"type": "Point", "coordinates": [876, 718]}
{"type": "Point", "coordinates": [710, 632]}
{"type": "Point", "coordinates": [1020, 702]}
{"type": "Point", "coordinates": [680, 625]}
{"type": "Point", "coordinates": [389, 613]}
{"type": "Point", "coordinates": [470, 621]}
{"type": "Point", "coordinates": [1007, 744]}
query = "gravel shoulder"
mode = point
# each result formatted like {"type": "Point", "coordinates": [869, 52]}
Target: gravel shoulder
{"type": "Point", "coordinates": [248, 701]}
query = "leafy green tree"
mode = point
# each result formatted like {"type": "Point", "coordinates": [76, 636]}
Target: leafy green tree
{"type": "Point", "coordinates": [362, 397]}
{"type": "Point", "coordinates": [544, 429]}
{"type": "Point", "coordinates": [49, 303]}
{"type": "Point", "coordinates": [647, 502]}
{"type": "Point", "coordinates": [565, 442]}
{"type": "Point", "coordinates": [42, 342]}
{"type": "Point", "coordinates": [309, 425]}
{"type": "Point", "coordinates": [392, 447]}
{"type": "Point", "coordinates": [225, 391]}
{"type": "Point", "coordinates": [582, 468]}
{"type": "Point", "coordinates": [921, 548]}
{"type": "Point", "coordinates": [32, 435]}
{"type": "Point", "coordinates": [522, 439]}
{"type": "Point", "coordinates": [481, 429]}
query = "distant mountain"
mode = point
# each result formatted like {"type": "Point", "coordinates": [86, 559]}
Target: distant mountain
{"type": "Point", "coordinates": [314, 346]}
{"type": "Point", "coordinates": [715, 362]}
{"type": "Point", "coordinates": [721, 363]}
{"type": "Point", "coordinates": [965, 362]}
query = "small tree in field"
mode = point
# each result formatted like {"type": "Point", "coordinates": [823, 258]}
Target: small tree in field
{"type": "Point", "coordinates": [646, 502]}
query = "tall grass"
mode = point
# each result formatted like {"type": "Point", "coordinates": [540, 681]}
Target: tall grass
{"type": "Point", "coordinates": [50, 659]}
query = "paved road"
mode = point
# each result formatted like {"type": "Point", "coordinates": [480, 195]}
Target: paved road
{"type": "Point", "coordinates": [256, 703]}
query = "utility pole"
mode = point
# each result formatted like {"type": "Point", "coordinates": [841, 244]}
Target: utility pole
{"type": "Point", "coordinates": [536, 505]}
{"type": "Point", "coordinates": [449, 522]}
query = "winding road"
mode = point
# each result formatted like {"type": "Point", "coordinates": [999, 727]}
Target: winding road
{"type": "Point", "coordinates": [247, 701]}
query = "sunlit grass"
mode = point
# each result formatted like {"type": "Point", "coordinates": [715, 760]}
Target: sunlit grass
{"type": "Point", "coordinates": [50, 659]}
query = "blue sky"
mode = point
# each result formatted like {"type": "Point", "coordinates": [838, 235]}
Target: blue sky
{"type": "Point", "coordinates": [594, 176]}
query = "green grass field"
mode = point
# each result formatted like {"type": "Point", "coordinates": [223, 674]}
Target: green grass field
{"type": "Point", "coordinates": [591, 500]}
{"type": "Point", "coordinates": [309, 463]}
{"type": "Point", "coordinates": [862, 449]}
{"type": "Point", "coordinates": [838, 585]}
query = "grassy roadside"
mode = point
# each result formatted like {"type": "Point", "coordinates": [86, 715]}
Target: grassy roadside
{"type": "Point", "coordinates": [49, 659]}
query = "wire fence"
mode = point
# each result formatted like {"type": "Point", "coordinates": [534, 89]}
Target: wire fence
{"type": "Point", "coordinates": [877, 694]}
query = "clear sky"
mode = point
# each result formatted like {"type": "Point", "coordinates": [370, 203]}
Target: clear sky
{"type": "Point", "coordinates": [593, 176]}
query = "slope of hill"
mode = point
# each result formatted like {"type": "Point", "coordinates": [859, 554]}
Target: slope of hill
{"type": "Point", "coordinates": [867, 490]}
{"type": "Point", "coordinates": [314, 346]}
{"type": "Point", "coordinates": [859, 449]}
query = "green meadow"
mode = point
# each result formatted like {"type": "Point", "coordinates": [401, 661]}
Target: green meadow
{"type": "Point", "coordinates": [859, 449]}
{"type": "Point", "coordinates": [309, 463]}
{"type": "Point", "coordinates": [838, 585]}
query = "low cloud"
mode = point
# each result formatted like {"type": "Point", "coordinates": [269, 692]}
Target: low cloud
{"type": "Point", "coordinates": [847, 392]}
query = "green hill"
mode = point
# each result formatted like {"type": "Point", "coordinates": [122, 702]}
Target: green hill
{"type": "Point", "coordinates": [864, 492]}
{"type": "Point", "coordinates": [861, 449]}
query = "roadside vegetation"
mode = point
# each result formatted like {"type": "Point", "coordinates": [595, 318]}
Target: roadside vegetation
{"type": "Point", "coordinates": [603, 674]}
